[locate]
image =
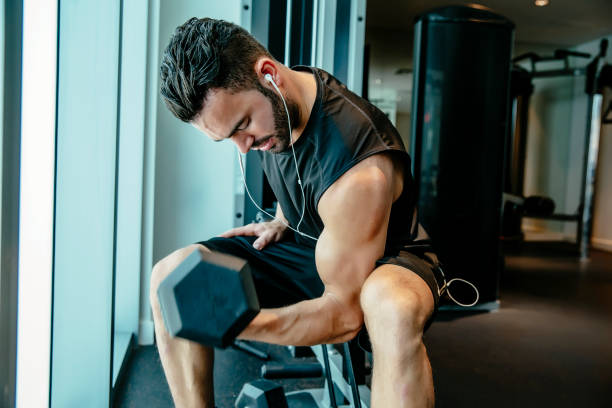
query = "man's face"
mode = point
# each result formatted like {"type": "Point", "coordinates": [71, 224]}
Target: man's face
{"type": "Point", "coordinates": [253, 119]}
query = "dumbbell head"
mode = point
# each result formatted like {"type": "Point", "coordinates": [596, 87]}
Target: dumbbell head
{"type": "Point", "coordinates": [209, 298]}
{"type": "Point", "coordinates": [261, 394]}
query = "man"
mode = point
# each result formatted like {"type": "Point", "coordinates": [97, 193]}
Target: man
{"type": "Point", "coordinates": [342, 179]}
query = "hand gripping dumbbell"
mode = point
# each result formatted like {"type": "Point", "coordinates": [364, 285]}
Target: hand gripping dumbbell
{"type": "Point", "coordinates": [209, 298]}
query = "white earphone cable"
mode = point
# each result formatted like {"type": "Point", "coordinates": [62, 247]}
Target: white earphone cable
{"type": "Point", "coordinates": [297, 170]}
{"type": "Point", "coordinates": [261, 209]}
{"type": "Point", "coordinates": [446, 286]}
{"type": "Point", "coordinates": [268, 77]}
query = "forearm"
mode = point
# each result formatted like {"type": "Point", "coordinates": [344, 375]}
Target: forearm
{"type": "Point", "coordinates": [279, 214]}
{"type": "Point", "coordinates": [321, 320]}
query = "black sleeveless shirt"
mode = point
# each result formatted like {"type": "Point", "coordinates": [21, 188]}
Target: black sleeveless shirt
{"type": "Point", "coordinates": [342, 130]}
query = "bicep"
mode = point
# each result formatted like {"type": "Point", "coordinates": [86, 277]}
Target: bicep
{"type": "Point", "coordinates": [355, 216]}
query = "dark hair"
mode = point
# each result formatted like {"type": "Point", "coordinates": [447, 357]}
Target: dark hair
{"type": "Point", "coordinates": [204, 54]}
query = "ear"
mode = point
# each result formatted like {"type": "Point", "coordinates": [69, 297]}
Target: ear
{"type": "Point", "coordinates": [265, 65]}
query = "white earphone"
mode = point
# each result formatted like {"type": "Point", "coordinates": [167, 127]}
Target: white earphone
{"type": "Point", "coordinates": [268, 78]}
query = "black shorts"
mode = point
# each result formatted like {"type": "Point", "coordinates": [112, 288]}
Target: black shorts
{"type": "Point", "coordinates": [285, 273]}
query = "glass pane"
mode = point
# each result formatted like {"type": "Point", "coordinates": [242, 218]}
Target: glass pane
{"type": "Point", "coordinates": [130, 180]}
{"type": "Point", "coordinates": [85, 203]}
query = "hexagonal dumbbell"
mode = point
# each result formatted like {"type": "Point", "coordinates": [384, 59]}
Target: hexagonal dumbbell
{"type": "Point", "coordinates": [261, 394]}
{"type": "Point", "coordinates": [209, 298]}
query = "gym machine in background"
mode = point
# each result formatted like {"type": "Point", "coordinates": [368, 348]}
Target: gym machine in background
{"type": "Point", "coordinates": [516, 206]}
{"type": "Point", "coordinates": [460, 108]}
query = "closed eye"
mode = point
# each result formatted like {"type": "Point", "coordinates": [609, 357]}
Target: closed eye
{"type": "Point", "coordinates": [246, 124]}
{"type": "Point", "coordinates": [240, 126]}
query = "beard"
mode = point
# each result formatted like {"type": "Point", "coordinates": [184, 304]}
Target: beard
{"type": "Point", "coordinates": [281, 125]}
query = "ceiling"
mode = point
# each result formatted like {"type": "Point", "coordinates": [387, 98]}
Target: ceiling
{"type": "Point", "coordinates": [389, 28]}
{"type": "Point", "coordinates": [561, 23]}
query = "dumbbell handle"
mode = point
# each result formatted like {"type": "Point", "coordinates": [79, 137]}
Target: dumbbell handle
{"type": "Point", "coordinates": [247, 348]}
{"type": "Point", "coordinates": [291, 370]}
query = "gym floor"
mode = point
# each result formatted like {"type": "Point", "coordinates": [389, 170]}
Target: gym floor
{"type": "Point", "coordinates": [548, 345]}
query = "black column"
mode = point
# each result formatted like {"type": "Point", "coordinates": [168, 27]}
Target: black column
{"type": "Point", "coordinates": [462, 69]}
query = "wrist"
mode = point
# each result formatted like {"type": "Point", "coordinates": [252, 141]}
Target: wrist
{"type": "Point", "coordinates": [279, 223]}
{"type": "Point", "coordinates": [281, 227]}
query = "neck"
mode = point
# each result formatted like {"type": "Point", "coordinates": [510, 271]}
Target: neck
{"type": "Point", "coordinates": [303, 91]}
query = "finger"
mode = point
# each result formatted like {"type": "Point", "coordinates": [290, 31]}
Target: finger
{"type": "Point", "coordinates": [248, 230]}
{"type": "Point", "coordinates": [261, 242]}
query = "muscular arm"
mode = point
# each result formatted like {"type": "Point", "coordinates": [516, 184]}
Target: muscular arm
{"type": "Point", "coordinates": [355, 211]}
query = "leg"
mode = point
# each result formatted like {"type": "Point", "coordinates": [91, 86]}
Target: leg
{"type": "Point", "coordinates": [396, 304]}
{"type": "Point", "coordinates": [188, 365]}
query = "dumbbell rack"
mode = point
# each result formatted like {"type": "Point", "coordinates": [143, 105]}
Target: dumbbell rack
{"type": "Point", "coordinates": [321, 396]}
{"type": "Point", "coordinates": [343, 391]}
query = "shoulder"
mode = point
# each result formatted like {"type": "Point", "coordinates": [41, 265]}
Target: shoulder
{"type": "Point", "coordinates": [373, 172]}
{"type": "Point", "coordinates": [371, 186]}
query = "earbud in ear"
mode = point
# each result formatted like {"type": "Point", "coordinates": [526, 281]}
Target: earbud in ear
{"type": "Point", "coordinates": [268, 78]}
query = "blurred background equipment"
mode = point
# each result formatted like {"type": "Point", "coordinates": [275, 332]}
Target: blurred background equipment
{"type": "Point", "coordinates": [596, 74]}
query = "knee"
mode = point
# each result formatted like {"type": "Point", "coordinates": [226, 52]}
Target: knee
{"type": "Point", "coordinates": [392, 306]}
{"type": "Point", "coordinates": [164, 267]}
